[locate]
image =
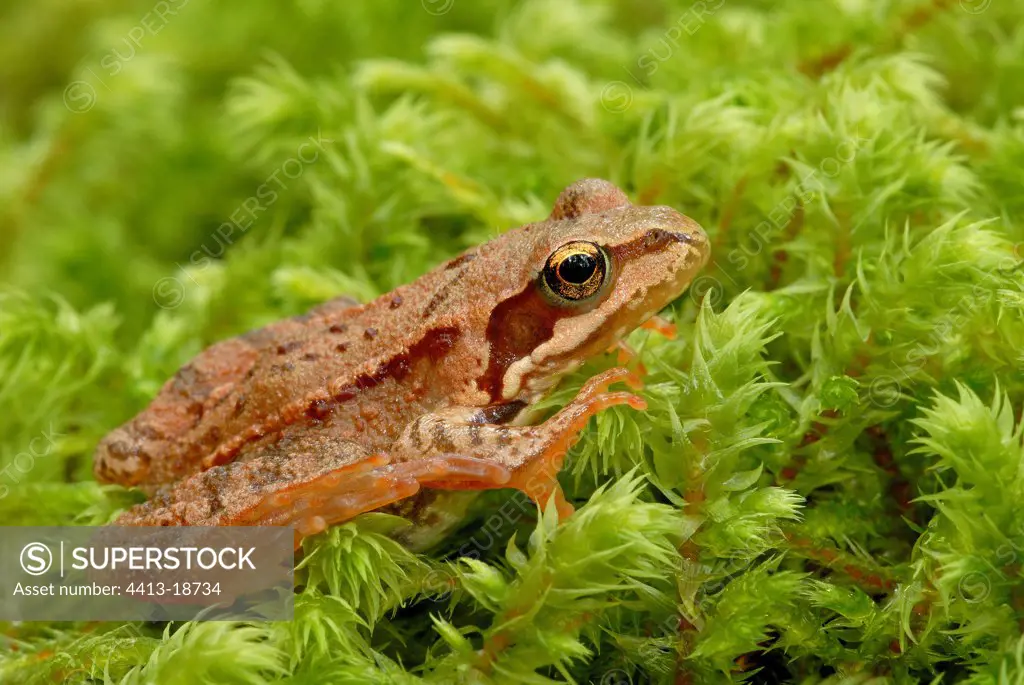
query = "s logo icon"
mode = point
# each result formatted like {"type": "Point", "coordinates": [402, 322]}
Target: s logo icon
{"type": "Point", "coordinates": [36, 558]}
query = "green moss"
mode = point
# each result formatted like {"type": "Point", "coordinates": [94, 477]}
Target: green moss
{"type": "Point", "coordinates": [827, 485]}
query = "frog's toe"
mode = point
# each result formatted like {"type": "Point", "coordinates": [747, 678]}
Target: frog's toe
{"type": "Point", "coordinates": [602, 381]}
{"type": "Point", "coordinates": [366, 494]}
{"type": "Point", "coordinates": [592, 399]}
{"type": "Point", "coordinates": [627, 356]}
{"type": "Point", "coordinates": [571, 420]}
{"type": "Point", "coordinates": [661, 325]}
{"type": "Point", "coordinates": [311, 526]}
{"type": "Point", "coordinates": [436, 470]}
{"type": "Point", "coordinates": [538, 480]}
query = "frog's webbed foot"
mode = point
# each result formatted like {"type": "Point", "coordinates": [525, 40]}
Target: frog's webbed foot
{"type": "Point", "coordinates": [533, 454]}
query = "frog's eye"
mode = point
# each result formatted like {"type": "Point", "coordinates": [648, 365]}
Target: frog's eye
{"type": "Point", "coordinates": [575, 272]}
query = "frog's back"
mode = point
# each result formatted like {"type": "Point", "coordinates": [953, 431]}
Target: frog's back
{"type": "Point", "coordinates": [344, 371]}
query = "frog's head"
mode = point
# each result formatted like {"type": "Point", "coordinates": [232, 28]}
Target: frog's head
{"type": "Point", "coordinates": [595, 270]}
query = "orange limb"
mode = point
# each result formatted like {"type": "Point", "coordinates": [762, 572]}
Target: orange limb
{"type": "Point", "coordinates": [342, 494]}
{"type": "Point", "coordinates": [660, 325]}
{"type": "Point", "coordinates": [539, 478]}
{"type": "Point", "coordinates": [627, 355]}
{"type": "Point", "coordinates": [313, 505]}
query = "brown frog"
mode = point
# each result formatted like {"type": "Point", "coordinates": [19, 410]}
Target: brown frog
{"type": "Point", "coordinates": [348, 408]}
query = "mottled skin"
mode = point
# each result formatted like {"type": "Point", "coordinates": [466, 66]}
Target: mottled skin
{"type": "Point", "coordinates": [315, 419]}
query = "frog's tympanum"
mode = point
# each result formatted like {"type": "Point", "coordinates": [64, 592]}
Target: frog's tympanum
{"type": "Point", "coordinates": [348, 408]}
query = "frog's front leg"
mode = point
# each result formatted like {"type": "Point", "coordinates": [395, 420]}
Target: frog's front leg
{"type": "Point", "coordinates": [533, 454]}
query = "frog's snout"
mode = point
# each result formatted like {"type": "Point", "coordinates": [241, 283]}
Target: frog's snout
{"type": "Point", "coordinates": [677, 226]}
{"type": "Point", "coordinates": [691, 234]}
{"type": "Point", "coordinates": [680, 235]}
{"type": "Point", "coordinates": [660, 239]}
{"type": "Point", "coordinates": [654, 238]}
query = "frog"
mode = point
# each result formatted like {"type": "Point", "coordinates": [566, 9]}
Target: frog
{"type": "Point", "coordinates": [350, 408]}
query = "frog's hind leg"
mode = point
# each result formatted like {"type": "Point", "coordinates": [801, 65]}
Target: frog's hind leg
{"type": "Point", "coordinates": [310, 483]}
{"type": "Point", "coordinates": [339, 495]}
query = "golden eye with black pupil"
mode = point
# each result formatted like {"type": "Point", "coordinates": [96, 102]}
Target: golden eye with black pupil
{"type": "Point", "coordinates": [575, 272]}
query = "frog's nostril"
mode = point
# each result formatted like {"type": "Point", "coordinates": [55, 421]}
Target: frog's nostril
{"type": "Point", "coordinates": [659, 237]}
